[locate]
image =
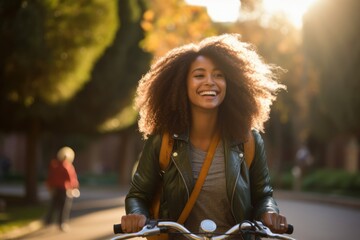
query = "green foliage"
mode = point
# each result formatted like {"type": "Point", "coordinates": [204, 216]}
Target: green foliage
{"type": "Point", "coordinates": [108, 96]}
{"type": "Point", "coordinates": [49, 47]}
{"type": "Point", "coordinates": [329, 181]}
{"type": "Point", "coordinates": [47, 51]}
{"type": "Point", "coordinates": [333, 181]}
{"type": "Point", "coordinates": [76, 39]}
{"type": "Point", "coordinates": [283, 181]}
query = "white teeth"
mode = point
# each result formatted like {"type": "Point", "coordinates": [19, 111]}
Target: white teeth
{"type": "Point", "coordinates": [208, 93]}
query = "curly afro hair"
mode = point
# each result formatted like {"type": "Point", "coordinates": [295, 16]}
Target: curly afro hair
{"type": "Point", "coordinates": [252, 86]}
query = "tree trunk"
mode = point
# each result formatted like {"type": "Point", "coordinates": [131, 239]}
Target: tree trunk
{"type": "Point", "coordinates": [128, 157]}
{"type": "Point", "coordinates": [277, 150]}
{"type": "Point", "coordinates": [352, 155]}
{"type": "Point", "coordinates": [31, 164]}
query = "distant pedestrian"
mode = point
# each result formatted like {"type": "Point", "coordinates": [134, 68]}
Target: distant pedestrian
{"type": "Point", "coordinates": [5, 166]}
{"type": "Point", "coordinates": [63, 184]}
{"type": "Point", "coordinates": [303, 161]}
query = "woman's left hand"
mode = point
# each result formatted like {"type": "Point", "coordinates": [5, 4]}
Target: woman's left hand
{"type": "Point", "coordinates": [276, 222]}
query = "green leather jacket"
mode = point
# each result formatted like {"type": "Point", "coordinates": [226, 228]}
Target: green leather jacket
{"type": "Point", "coordinates": [248, 190]}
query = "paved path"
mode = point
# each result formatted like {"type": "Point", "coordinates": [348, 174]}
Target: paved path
{"type": "Point", "coordinates": [92, 216]}
{"type": "Point", "coordinates": [95, 212]}
{"type": "Point", "coordinates": [92, 226]}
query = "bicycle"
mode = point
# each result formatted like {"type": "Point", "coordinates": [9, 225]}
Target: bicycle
{"type": "Point", "coordinates": [207, 230]}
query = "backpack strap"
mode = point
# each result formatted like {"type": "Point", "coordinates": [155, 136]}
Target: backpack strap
{"type": "Point", "coordinates": [165, 151]}
{"type": "Point", "coordinates": [249, 150]}
{"type": "Point", "coordinates": [201, 179]}
{"type": "Point", "coordinates": [164, 158]}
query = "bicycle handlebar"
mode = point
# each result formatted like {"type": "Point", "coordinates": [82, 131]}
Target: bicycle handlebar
{"type": "Point", "coordinates": [154, 227]}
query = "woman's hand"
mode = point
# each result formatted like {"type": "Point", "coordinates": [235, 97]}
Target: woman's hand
{"type": "Point", "coordinates": [276, 222]}
{"type": "Point", "coordinates": [132, 222]}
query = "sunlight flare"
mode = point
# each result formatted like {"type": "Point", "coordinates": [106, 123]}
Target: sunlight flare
{"type": "Point", "coordinates": [220, 11]}
{"type": "Point", "coordinates": [229, 10]}
{"type": "Point", "coordinates": [294, 10]}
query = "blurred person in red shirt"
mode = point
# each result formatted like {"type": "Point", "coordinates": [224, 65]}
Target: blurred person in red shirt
{"type": "Point", "coordinates": [63, 184]}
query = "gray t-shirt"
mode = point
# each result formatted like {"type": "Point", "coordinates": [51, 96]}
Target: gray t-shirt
{"type": "Point", "coordinates": [212, 202]}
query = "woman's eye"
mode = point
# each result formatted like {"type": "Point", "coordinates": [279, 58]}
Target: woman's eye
{"type": "Point", "coordinates": [219, 75]}
{"type": "Point", "coordinates": [199, 76]}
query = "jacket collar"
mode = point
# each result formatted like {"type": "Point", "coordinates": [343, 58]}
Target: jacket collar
{"type": "Point", "coordinates": [182, 136]}
{"type": "Point", "coordinates": [185, 136]}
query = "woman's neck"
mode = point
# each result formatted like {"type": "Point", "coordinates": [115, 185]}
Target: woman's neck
{"type": "Point", "coordinates": [203, 128]}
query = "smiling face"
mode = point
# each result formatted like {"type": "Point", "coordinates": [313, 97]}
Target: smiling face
{"type": "Point", "coordinates": [206, 85]}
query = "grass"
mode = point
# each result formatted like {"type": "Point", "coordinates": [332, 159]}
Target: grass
{"type": "Point", "coordinates": [19, 216]}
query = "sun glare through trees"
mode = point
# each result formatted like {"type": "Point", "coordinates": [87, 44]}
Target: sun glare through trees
{"type": "Point", "coordinates": [229, 10]}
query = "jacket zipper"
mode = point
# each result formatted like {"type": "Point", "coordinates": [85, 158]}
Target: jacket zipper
{"type": "Point", "coordinates": [232, 197]}
{"type": "Point", "coordinates": [182, 177]}
{"type": "Point", "coordinates": [233, 192]}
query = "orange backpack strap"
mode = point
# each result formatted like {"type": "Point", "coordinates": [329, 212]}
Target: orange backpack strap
{"type": "Point", "coordinates": [201, 179]}
{"type": "Point", "coordinates": [164, 158]}
{"type": "Point", "coordinates": [165, 151]}
{"type": "Point", "coordinates": [249, 150]}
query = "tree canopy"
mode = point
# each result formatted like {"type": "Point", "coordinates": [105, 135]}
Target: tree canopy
{"type": "Point", "coordinates": [172, 23]}
{"type": "Point", "coordinates": [47, 49]}
{"type": "Point", "coordinates": [104, 104]}
{"type": "Point", "coordinates": [331, 42]}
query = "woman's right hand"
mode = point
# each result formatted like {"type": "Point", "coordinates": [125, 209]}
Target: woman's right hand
{"type": "Point", "coordinates": [132, 222]}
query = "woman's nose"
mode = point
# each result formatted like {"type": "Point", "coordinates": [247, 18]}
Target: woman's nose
{"type": "Point", "coordinates": [209, 79]}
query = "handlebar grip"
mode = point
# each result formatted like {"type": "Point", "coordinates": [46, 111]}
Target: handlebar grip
{"type": "Point", "coordinates": [117, 228]}
{"type": "Point", "coordinates": [290, 229]}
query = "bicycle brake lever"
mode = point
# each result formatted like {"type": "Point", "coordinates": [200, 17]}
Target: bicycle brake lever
{"type": "Point", "coordinates": [150, 228]}
{"type": "Point", "coordinates": [252, 228]}
{"type": "Point", "coordinates": [151, 223]}
{"type": "Point", "coordinates": [264, 231]}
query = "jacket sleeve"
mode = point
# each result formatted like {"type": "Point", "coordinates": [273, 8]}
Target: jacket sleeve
{"type": "Point", "coordinates": [261, 189]}
{"type": "Point", "coordinates": [50, 180]}
{"type": "Point", "coordinates": [146, 179]}
{"type": "Point", "coordinates": [73, 179]}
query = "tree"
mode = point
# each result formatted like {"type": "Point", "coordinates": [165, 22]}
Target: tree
{"type": "Point", "coordinates": [47, 49]}
{"type": "Point", "coordinates": [331, 39]}
{"type": "Point", "coordinates": [104, 104]}
{"type": "Point", "coordinates": [333, 49]}
{"type": "Point", "coordinates": [172, 23]}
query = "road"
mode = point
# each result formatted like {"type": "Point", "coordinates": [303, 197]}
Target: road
{"type": "Point", "coordinates": [316, 221]}
{"type": "Point", "coordinates": [93, 218]}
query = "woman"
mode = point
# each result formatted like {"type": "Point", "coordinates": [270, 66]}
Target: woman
{"type": "Point", "coordinates": [194, 92]}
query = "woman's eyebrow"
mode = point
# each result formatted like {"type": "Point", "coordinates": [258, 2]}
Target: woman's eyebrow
{"type": "Point", "coordinates": [198, 69]}
{"type": "Point", "coordinates": [203, 69]}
